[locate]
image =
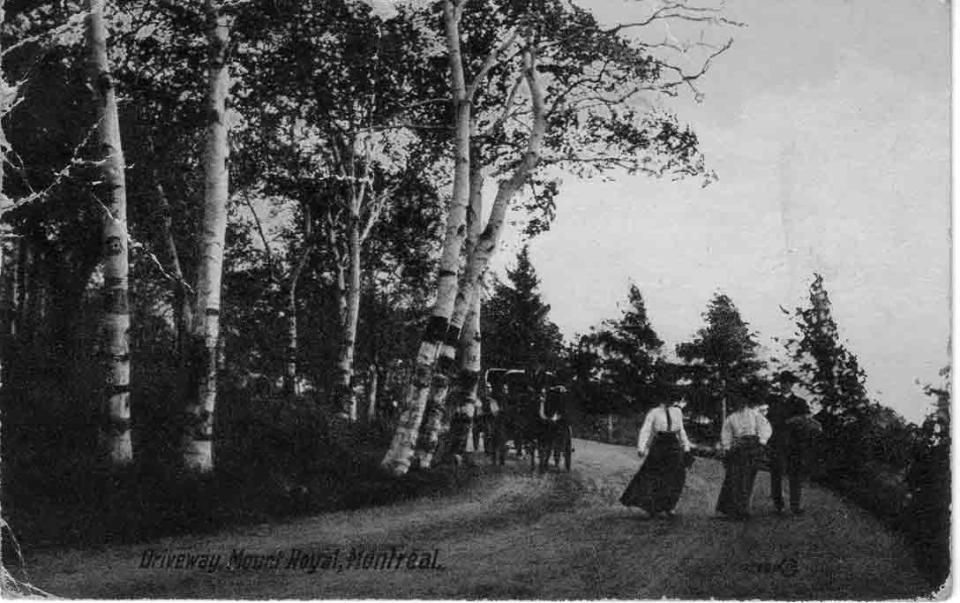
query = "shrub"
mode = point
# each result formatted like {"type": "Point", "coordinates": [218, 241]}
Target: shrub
{"type": "Point", "coordinates": [274, 456]}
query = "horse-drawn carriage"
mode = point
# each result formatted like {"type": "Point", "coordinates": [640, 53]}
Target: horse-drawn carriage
{"type": "Point", "coordinates": [528, 410]}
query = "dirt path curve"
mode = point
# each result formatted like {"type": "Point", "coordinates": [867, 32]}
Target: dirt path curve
{"type": "Point", "coordinates": [520, 535]}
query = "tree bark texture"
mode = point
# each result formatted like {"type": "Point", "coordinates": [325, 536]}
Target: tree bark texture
{"type": "Point", "coordinates": [479, 259]}
{"type": "Point", "coordinates": [438, 331]}
{"type": "Point", "coordinates": [115, 437]}
{"type": "Point", "coordinates": [465, 392]}
{"type": "Point", "coordinates": [373, 384]}
{"type": "Point", "coordinates": [290, 355]}
{"type": "Point", "coordinates": [349, 317]}
{"type": "Point", "coordinates": [437, 422]}
{"type": "Point", "coordinates": [183, 309]}
{"type": "Point", "coordinates": [465, 386]}
{"type": "Point", "coordinates": [198, 438]}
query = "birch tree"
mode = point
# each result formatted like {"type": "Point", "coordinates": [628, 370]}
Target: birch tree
{"type": "Point", "coordinates": [198, 439]}
{"type": "Point", "coordinates": [290, 372]}
{"type": "Point", "coordinates": [463, 395]}
{"type": "Point", "coordinates": [365, 201]}
{"type": "Point", "coordinates": [590, 75]}
{"type": "Point", "coordinates": [442, 331]}
{"type": "Point", "coordinates": [63, 209]}
{"type": "Point", "coordinates": [477, 262]}
{"type": "Point", "coordinates": [116, 319]}
{"type": "Point", "coordinates": [331, 99]}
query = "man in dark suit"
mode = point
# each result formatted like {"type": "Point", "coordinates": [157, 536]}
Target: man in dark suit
{"type": "Point", "coordinates": [787, 453]}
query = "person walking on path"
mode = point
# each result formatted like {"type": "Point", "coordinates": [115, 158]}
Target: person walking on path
{"type": "Point", "coordinates": [803, 431]}
{"type": "Point", "coordinates": [794, 432]}
{"type": "Point", "coordinates": [662, 444]}
{"type": "Point", "coordinates": [742, 438]}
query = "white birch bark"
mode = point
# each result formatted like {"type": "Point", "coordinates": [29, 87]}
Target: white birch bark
{"type": "Point", "coordinates": [350, 315]}
{"type": "Point", "coordinates": [115, 437]}
{"type": "Point", "coordinates": [465, 388]}
{"type": "Point", "coordinates": [198, 440]}
{"type": "Point", "coordinates": [398, 457]}
{"type": "Point", "coordinates": [464, 393]}
{"type": "Point", "coordinates": [436, 422]}
{"type": "Point", "coordinates": [373, 382]}
{"type": "Point", "coordinates": [290, 354]}
{"type": "Point", "coordinates": [485, 248]}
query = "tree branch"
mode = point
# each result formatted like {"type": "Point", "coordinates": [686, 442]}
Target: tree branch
{"type": "Point", "coordinates": [489, 63]}
{"type": "Point", "coordinates": [263, 235]}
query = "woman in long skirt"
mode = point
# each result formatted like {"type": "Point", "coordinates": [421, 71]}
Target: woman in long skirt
{"type": "Point", "coordinates": [661, 444]}
{"type": "Point", "coordinates": [742, 438]}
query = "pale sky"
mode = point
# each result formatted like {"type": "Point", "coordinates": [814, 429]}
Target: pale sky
{"type": "Point", "coordinates": [828, 124]}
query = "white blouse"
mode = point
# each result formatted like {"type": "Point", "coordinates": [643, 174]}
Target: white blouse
{"type": "Point", "coordinates": [656, 422]}
{"type": "Point", "coordinates": [744, 422]}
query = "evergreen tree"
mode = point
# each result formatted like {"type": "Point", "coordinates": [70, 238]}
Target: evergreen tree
{"type": "Point", "coordinates": [515, 320]}
{"type": "Point", "coordinates": [720, 359]}
{"type": "Point", "coordinates": [929, 479]}
{"type": "Point", "coordinates": [830, 372]}
{"type": "Point", "coordinates": [631, 366]}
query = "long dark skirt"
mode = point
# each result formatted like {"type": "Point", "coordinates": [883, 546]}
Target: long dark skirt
{"type": "Point", "coordinates": [742, 463]}
{"type": "Point", "coordinates": [657, 486]}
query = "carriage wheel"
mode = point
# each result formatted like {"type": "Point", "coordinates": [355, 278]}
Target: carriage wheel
{"type": "Point", "coordinates": [567, 447]}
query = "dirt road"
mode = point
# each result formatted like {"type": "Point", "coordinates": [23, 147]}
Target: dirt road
{"type": "Point", "coordinates": [517, 535]}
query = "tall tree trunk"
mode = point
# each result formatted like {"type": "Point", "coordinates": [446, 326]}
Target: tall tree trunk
{"type": "Point", "coordinates": [438, 330]}
{"type": "Point", "coordinates": [464, 396]}
{"type": "Point", "coordinates": [7, 98]}
{"type": "Point", "coordinates": [485, 248]}
{"type": "Point", "coordinates": [290, 355]}
{"type": "Point", "coordinates": [465, 400]}
{"type": "Point", "coordinates": [373, 383]}
{"type": "Point", "coordinates": [182, 293]}
{"type": "Point", "coordinates": [350, 305]}
{"type": "Point", "coordinates": [198, 439]}
{"type": "Point", "coordinates": [469, 369]}
{"type": "Point", "coordinates": [115, 439]}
